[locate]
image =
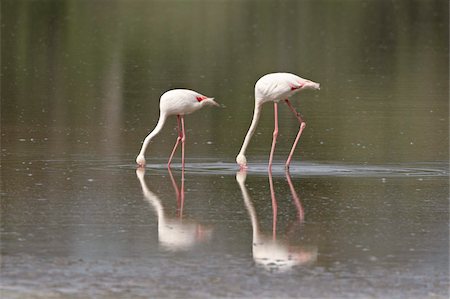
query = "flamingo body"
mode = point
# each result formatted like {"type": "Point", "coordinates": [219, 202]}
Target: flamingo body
{"type": "Point", "coordinates": [269, 251]}
{"type": "Point", "coordinates": [181, 102]}
{"type": "Point", "coordinates": [174, 233]}
{"type": "Point", "coordinates": [177, 102]}
{"type": "Point", "coordinates": [275, 87]}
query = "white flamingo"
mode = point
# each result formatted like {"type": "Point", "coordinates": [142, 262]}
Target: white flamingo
{"type": "Point", "coordinates": [275, 87]}
{"type": "Point", "coordinates": [268, 250]}
{"type": "Point", "coordinates": [174, 233]}
{"type": "Point", "coordinates": [177, 102]}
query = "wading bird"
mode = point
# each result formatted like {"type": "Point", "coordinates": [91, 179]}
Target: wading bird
{"type": "Point", "coordinates": [275, 87]}
{"type": "Point", "coordinates": [175, 233]}
{"type": "Point", "coordinates": [274, 252]}
{"type": "Point", "coordinates": [177, 102]}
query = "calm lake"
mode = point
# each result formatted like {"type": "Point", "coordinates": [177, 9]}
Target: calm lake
{"type": "Point", "coordinates": [363, 212]}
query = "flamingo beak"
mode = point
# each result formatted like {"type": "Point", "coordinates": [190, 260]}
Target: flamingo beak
{"type": "Point", "coordinates": [212, 102]}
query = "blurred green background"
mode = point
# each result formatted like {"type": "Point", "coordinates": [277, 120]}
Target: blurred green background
{"type": "Point", "coordinates": [85, 77]}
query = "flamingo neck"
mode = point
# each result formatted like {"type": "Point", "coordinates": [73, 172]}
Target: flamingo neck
{"type": "Point", "coordinates": [251, 211]}
{"type": "Point", "coordinates": [153, 199]}
{"type": "Point", "coordinates": [251, 130]}
{"type": "Point", "coordinates": [156, 130]}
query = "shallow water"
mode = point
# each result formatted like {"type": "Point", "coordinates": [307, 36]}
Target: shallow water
{"type": "Point", "coordinates": [362, 213]}
{"type": "Point", "coordinates": [99, 228]}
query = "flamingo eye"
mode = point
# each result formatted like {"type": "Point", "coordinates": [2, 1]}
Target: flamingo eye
{"type": "Point", "coordinates": [295, 87]}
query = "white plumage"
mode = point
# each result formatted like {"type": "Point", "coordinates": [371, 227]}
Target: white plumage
{"type": "Point", "coordinates": [177, 102]}
{"type": "Point", "coordinates": [275, 87]}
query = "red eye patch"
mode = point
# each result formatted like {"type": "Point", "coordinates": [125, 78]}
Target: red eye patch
{"type": "Point", "coordinates": [293, 87]}
{"type": "Point", "coordinates": [201, 98]}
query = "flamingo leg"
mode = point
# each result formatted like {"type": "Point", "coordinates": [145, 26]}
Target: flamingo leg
{"type": "Point", "coordinates": [275, 134]}
{"type": "Point", "coordinates": [183, 139]}
{"type": "Point", "coordinates": [274, 207]}
{"type": "Point", "coordinates": [302, 126]}
{"type": "Point", "coordinates": [176, 143]}
{"type": "Point", "coordinates": [298, 204]}
{"type": "Point", "coordinates": [182, 193]}
{"type": "Point", "coordinates": [178, 191]}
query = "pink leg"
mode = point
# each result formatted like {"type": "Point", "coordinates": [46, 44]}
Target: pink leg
{"type": "Point", "coordinates": [183, 139]}
{"type": "Point", "coordinates": [275, 134]}
{"type": "Point", "coordinates": [298, 204]}
{"type": "Point", "coordinates": [178, 192]}
{"type": "Point", "coordinates": [302, 126]}
{"type": "Point", "coordinates": [182, 193]}
{"type": "Point", "coordinates": [274, 206]}
{"type": "Point", "coordinates": [176, 143]}
{"type": "Point", "coordinates": [174, 184]}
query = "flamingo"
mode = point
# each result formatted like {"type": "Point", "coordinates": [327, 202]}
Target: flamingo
{"type": "Point", "coordinates": [174, 233]}
{"type": "Point", "coordinates": [270, 251]}
{"type": "Point", "coordinates": [275, 87]}
{"type": "Point", "coordinates": [177, 102]}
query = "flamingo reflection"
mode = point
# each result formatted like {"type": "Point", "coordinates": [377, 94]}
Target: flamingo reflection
{"type": "Point", "coordinates": [268, 250]}
{"type": "Point", "coordinates": [174, 233]}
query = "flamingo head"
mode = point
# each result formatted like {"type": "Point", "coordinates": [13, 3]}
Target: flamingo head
{"type": "Point", "coordinates": [140, 160]}
{"type": "Point", "coordinates": [140, 172]}
{"type": "Point", "coordinates": [241, 176]}
{"type": "Point", "coordinates": [311, 85]}
{"type": "Point", "coordinates": [242, 161]}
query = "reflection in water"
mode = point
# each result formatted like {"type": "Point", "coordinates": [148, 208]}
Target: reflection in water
{"type": "Point", "coordinates": [268, 250]}
{"type": "Point", "coordinates": [175, 233]}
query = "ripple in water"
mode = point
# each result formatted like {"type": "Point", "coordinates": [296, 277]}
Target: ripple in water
{"type": "Point", "coordinates": [312, 169]}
